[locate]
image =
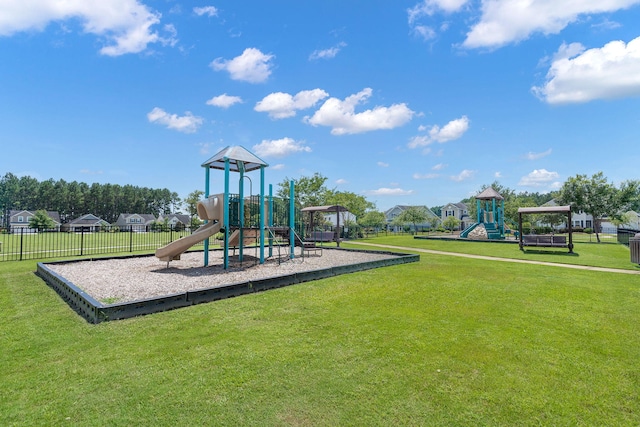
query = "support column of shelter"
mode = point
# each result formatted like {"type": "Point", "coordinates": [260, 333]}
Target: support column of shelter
{"type": "Point", "coordinates": [292, 218]}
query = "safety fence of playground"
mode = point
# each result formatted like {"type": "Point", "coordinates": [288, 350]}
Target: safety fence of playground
{"type": "Point", "coordinates": [25, 243]}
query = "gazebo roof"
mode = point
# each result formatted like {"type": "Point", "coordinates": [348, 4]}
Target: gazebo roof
{"type": "Point", "coordinates": [545, 209]}
{"type": "Point", "coordinates": [237, 156]}
{"type": "Point", "coordinates": [333, 208]}
{"type": "Point", "coordinates": [489, 194]}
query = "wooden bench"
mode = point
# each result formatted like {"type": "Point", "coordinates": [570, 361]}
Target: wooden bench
{"type": "Point", "coordinates": [545, 241]}
{"type": "Point", "coordinates": [321, 236]}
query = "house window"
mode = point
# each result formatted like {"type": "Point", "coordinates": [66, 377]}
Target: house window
{"type": "Point", "coordinates": [589, 223]}
{"type": "Point", "coordinates": [20, 218]}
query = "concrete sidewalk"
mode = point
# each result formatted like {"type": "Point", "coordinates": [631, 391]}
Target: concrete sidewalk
{"type": "Point", "coordinates": [490, 258]}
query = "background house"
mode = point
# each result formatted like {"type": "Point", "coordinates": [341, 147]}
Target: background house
{"type": "Point", "coordinates": [578, 219]}
{"type": "Point", "coordinates": [85, 223]}
{"type": "Point", "coordinates": [173, 220]}
{"type": "Point", "coordinates": [19, 220]}
{"type": "Point", "coordinates": [391, 214]}
{"type": "Point", "coordinates": [135, 222]}
{"type": "Point", "coordinates": [345, 218]}
{"type": "Point", "coordinates": [459, 211]}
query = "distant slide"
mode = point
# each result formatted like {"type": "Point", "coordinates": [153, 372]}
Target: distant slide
{"type": "Point", "coordinates": [174, 249]}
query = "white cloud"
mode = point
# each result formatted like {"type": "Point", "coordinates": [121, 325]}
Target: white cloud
{"type": "Point", "coordinates": [327, 53]}
{"type": "Point", "coordinates": [280, 147]}
{"type": "Point", "coordinates": [278, 167]}
{"type": "Point", "coordinates": [429, 7]}
{"type": "Point", "coordinates": [508, 21]}
{"type": "Point", "coordinates": [439, 166]}
{"type": "Point", "coordinates": [535, 156]}
{"type": "Point", "coordinates": [187, 123]}
{"type": "Point", "coordinates": [252, 66]}
{"type": "Point", "coordinates": [578, 75]}
{"type": "Point", "coordinates": [538, 178]}
{"type": "Point", "coordinates": [425, 175]}
{"type": "Point", "coordinates": [341, 117]}
{"type": "Point", "coordinates": [341, 181]}
{"type": "Point", "coordinates": [125, 25]}
{"type": "Point", "coordinates": [205, 148]}
{"type": "Point", "coordinates": [464, 175]}
{"type": "Point", "coordinates": [224, 101]}
{"type": "Point", "coordinates": [280, 105]}
{"type": "Point", "coordinates": [383, 164]}
{"type": "Point", "coordinates": [424, 32]}
{"type": "Point", "coordinates": [449, 132]}
{"type": "Point", "coordinates": [389, 192]}
{"type": "Point", "coordinates": [497, 174]}
{"type": "Point", "coordinates": [206, 10]}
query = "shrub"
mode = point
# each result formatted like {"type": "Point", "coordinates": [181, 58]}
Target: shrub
{"type": "Point", "coordinates": [588, 230]}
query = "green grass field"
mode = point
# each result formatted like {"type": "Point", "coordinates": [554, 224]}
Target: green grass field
{"type": "Point", "coordinates": [446, 341]}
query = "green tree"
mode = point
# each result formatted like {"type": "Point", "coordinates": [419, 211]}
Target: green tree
{"type": "Point", "coordinates": [451, 223]}
{"type": "Point", "coordinates": [41, 221]}
{"type": "Point", "coordinates": [597, 197]}
{"type": "Point", "coordinates": [413, 215]}
{"type": "Point", "coordinates": [355, 204]}
{"type": "Point", "coordinates": [373, 219]}
{"type": "Point", "coordinates": [437, 210]}
{"type": "Point", "coordinates": [309, 190]}
{"type": "Point", "coordinates": [191, 202]}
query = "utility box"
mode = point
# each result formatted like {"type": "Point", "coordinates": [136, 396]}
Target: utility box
{"type": "Point", "coordinates": [634, 248]}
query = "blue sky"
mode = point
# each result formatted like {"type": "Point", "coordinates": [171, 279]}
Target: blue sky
{"type": "Point", "coordinates": [404, 102]}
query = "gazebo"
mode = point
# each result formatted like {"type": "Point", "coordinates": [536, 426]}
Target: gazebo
{"type": "Point", "coordinates": [326, 209]}
{"type": "Point", "coordinates": [549, 240]}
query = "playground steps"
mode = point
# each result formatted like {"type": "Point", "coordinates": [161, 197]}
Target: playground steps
{"type": "Point", "coordinates": [492, 231]}
{"type": "Point", "coordinates": [250, 236]}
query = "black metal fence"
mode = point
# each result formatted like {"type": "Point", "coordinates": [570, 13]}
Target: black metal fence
{"type": "Point", "coordinates": [624, 234]}
{"type": "Point", "coordinates": [27, 244]}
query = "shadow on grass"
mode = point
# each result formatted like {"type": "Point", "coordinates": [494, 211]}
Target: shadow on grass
{"type": "Point", "coordinates": [551, 252]}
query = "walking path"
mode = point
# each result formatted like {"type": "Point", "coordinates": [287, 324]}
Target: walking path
{"type": "Point", "coordinates": [490, 258]}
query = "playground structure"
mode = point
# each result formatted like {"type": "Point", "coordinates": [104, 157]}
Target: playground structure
{"type": "Point", "coordinates": [490, 217]}
{"type": "Point", "coordinates": [258, 221]}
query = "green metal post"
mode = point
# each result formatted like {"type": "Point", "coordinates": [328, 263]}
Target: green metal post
{"type": "Point", "coordinates": [479, 209]}
{"type": "Point", "coordinates": [493, 209]}
{"type": "Point", "coordinates": [262, 214]}
{"type": "Point", "coordinates": [241, 211]}
{"type": "Point", "coordinates": [206, 195]}
{"type": "Point", "coordinates": [226, 214]}
{"type": "Point", "coordinates": [270, 219]}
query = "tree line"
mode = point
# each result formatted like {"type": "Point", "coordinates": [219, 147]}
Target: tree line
{"type": "Point", "coordinates": [74, 199]}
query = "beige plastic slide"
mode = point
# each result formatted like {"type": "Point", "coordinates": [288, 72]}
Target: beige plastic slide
{"type": "Point", "coordinates": [210, 210]}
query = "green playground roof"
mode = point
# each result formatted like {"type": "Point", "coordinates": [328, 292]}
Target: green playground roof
{"type": "Point", "coordinates": [237, 156]}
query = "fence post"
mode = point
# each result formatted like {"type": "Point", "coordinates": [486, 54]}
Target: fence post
{"type": "Point", "coordinates": [21, 240]}
{"type": "Point", "coordinates": [131, 238]}
{"type": "Point", "coordinates": [81, 241]}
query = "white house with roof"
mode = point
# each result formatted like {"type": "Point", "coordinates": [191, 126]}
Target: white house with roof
{"type": "Point", "coordinates": [135, 222]}
{"type": "Point", "coordinates": [174, 219]}
{"type": "Point", "coordinates": [19, 220]}
{"type": "Point", "coordinates": [86, 223]}
{"type": "Point", "coordinates": [391, 214]}
{"type": "Point", "coordinates": [460, 211]}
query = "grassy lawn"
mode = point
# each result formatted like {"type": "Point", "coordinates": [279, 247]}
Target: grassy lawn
{"type": "Point", "coordinates": [446, 341]}
{"type": "Point", "coordinates": [606, 254]}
